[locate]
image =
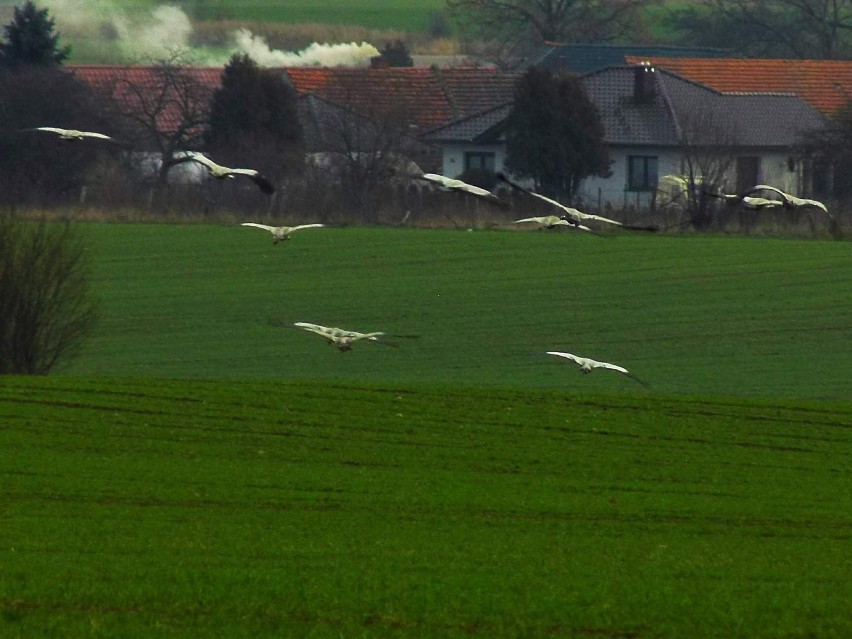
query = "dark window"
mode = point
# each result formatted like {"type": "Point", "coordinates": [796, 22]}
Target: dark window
{"type": "Point", "coordinates": [479, 160]}
{"type": "Point", "coordinates": [748, 168]}
{"type": "Point", "coordinates": [641, 173]}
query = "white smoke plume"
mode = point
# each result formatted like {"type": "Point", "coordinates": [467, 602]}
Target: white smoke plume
{"type": "Point", "coordinates": [137, 35]}
{"type": "Point", "coordinates": [326, 55]}
{"type": "Point", "coordinates": [106, 29]}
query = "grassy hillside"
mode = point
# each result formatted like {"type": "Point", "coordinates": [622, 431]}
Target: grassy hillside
{"type": "Point", "coordinates": [146, 507]}
{"type": "Point", "coordinates": [384, 14]}
{"type": "Point", "coordinates": [690, 315]}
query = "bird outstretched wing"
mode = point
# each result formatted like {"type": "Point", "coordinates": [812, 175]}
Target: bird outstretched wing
{"type": "Point", "coordinates": [263, 183]}
{"type": "Point", "coordinates": [95, 134]}
{"type": "Point", "coordinates": [577, 360]}
{"type": "Point", "coordinates": [74, 134]}
{"type": "Point", "coordinates": [612, 367]}
{"type": "Point", "coordinates": [50, 129]}
{"type": "Point", "coordinates": [752, 202]}
{"type": "Point", "coordinates": [306, 226]}
{"type": "Point", "coordinates": [757, 188]}
{"type": "Point", "coordinates": [803, 201]}
{"type": "Point", "coordinates": [191, 156]}
{"type": "Point", "coordinates": [324, 331]}
{"type": "Point", "coordinates": [574, 214]}
{"type": "Point", "coordinates": [544, 220]}
{"type": "Point", "coordinates": [452, 184]}
{"type": "Point", "coordinates": [549, 221]}
{"type": "Point", "coordinates": [265, 227]}
{"type": "Point", "coordinates": [379, 337]}
{"type": "Point", "coordinates": [787, 199]}
{"type": "Point", "coordinates": [619, 369]}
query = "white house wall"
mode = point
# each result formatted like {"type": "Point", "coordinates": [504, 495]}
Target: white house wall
{"type": "Point", "coordinates": [453, 156]}
{"type": "Point", "coordinates": [605, 194]}
{"type": "Point", "coordinates": [611, 193]}
{"type": "Point", "coordinates": [601, 194]}
{"type": "Point", "coordinates": [775, 170]}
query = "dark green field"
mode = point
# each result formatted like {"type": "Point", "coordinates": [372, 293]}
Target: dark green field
{"type": "Point", "coordinates": [691, 315]}
{"type": "Point", "coordinates": [201, 471]}
{"type": "Point", "coordinates": [140, 508]}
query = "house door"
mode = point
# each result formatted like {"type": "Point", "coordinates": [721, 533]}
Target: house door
{"type": "Point", "coordinates": [748, 169]}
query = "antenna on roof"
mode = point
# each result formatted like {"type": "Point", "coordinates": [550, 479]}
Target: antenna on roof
{"type": "Point", "coordinates": [644, 85]}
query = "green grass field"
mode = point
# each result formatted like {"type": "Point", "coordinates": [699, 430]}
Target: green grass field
{"type": "Point", "coordinates": [201, 471]}
{"type": "Point", "coordinates": [141, 508]}
{"type": "Point", "coordinates": [691, 315]}
{"type": "Point", "coordinates": [381, 14]}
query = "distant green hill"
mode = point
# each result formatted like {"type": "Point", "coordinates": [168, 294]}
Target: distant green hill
{"type": "Point", "coordinates": [385, 14]}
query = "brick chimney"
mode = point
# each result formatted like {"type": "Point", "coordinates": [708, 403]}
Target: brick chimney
{"type": "Point", "coordinates": [379, 62]}
{"type": "Point", "coordinates": [644, 82]}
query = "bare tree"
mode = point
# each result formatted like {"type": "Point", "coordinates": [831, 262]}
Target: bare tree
{"type": "Point", "coordinates": [45, 306]}
{"type": "Point", "coordinates": [787, 28]}
{"type": "Point", "coordinates": [362, 151]}
{"type": "Point", "coordinates": [517, 24]}
{"type": "Point", "coordinates": [707, 147]}
{"type": "Point", "coordinates": [165, 110]}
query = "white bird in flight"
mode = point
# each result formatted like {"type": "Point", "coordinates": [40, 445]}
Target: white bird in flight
{"type": "Point", "coordinates": [552, 221]}
{"type": "Point", "coordinates": [789, 201]}
{"type": "Point", "coordinates": [280, 233]}
{"type": "Point", "coordinates": [222, 172]}
{"type": "Point", "coordinates": [572, 215]}
{"type": "Point", "coordinates": [72, 135]}
{"type": "Point", "coordinates": [750, 200]}
{"type": "Point", "coordinates": [756, 203]}
{"type": "Point", "coordinates": [587, 365]}
{"type": "Point", "coordinates": [341, 338]}
{"type": "Point", "coordinates": [458, 186]}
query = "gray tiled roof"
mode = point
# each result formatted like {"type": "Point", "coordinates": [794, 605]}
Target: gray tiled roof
{"type": "Point", "coordinates": [751, 120]}
{"type": "Point", "coordinates": [481, 127]}
{"type": "Point", "coordinates": [322, 121]}
{"type": "Point", "coordinates": [744, 119]}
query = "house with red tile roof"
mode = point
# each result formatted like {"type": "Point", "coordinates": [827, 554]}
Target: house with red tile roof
{"type": "Point", "coordinates": [424, 97]}
{"type": "Point", "coordinates": [650, 117]}
{"type": "Point", "coordinates": [429, 97]}
{"type": "Point", "coordinates": [141, 90]}
{"type": "Point", "coordinates": [824, 84]}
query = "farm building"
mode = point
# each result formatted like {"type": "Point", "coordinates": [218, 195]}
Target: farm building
{"type": "Point", "coordinates": [455, 116]}
{"type": "Point", "coordinates": [651, 116]}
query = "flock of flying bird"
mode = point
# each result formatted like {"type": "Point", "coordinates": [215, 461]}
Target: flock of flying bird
{"type": "Point", "coordinates": [569, 217]}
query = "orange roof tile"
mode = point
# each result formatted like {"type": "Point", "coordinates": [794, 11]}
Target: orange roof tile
{"type": "Point", "coordinates": [825, 84]}
{"type": "Point", "coordinates": [428, 96]}
{"type": "Point", "coordinates": [124, 82]}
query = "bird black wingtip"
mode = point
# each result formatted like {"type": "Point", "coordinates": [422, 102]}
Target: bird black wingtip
{"type": "Point", "coordinates": [264, 185]}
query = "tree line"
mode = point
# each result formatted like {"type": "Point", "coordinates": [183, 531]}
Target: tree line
{"type": "Point", "coordinates": [817, 29]}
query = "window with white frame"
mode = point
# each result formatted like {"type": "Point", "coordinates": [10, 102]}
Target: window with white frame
{"type": "Point", "coordinates": [479, 160]}
{"type": "Point", "coordinates": [641, 172]}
